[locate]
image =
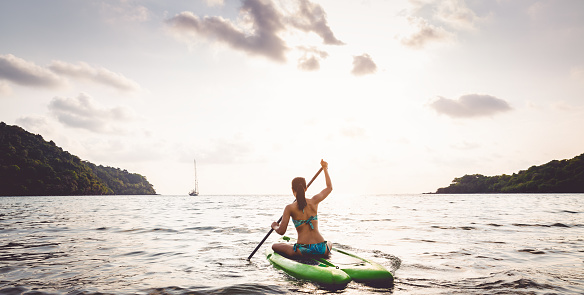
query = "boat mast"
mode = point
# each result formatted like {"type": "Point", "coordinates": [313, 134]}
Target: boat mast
{"type": "Point", "coordinates": [196, 181]}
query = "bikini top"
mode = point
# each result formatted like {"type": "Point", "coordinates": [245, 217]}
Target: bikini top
{"type": "Point", "coordinates": [308, 221]}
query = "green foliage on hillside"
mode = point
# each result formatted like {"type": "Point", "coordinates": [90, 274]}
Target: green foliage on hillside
{"type": "Point", "coordinates": [31, 166]}
{"type": "Point", "coordinates": [565, 176]}
{"type": "Point", "coordinates": [121, 181]}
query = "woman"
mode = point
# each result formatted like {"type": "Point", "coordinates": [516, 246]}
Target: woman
{"type": "Point", "coordinates": [304, 216]}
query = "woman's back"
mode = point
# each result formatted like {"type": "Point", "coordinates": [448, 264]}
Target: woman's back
{"type": "Point", "coordinates": [306, 222]}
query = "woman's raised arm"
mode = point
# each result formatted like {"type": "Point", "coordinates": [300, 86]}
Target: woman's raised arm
{"type": "Point", "coordinates": [329, 186]}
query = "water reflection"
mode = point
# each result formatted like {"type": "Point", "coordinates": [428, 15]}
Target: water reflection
{"type": "Point", "coordinates": [178, 244]}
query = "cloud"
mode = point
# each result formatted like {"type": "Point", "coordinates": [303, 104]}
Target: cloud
{"type": "Point", "coordinates": [425, 34]}
{"type": "Point", "coordinates": [470, 105]}
{"type": "Point", "coordinates": [456, 14]}
{"type": "Point", "coordinates": [99, 75]}
{"type": "Point", "coordinates": [309, 63]}
{"type": "Point", "coordinates": [353, 132]}
{"type": "Point", "coordinates": [124, 11]}
{"type": "Point", "coordinates": [83, 112]}
{"type": "Point", "coordinates": [552, 16]}
{"type": "Point", "coordinates": [311, 17]}
{"type": "Point", "coordinates": [5, 88]}
{"type": "Point", "coordinates": [22, 72]}
{"type": "Point", "coordinates": [363, 65]}
{"type": "Point", "coordinates": [212, 3]}
{"type": "Point", "coordinates": [259, 29]}
{"type": "Point", "coordinates": [563, 106]}
{"type": "Point", "coordinates": [577, 73]}
{"type": "Point", "coordinates": [262, 39]}
{"type": "Point", "coordinates": [228, 151]}
{"type": "Point", "coordinates": [26, 73]}
{"type": "Point", "coordinates": [310, 60]}
{"type": "Point", "coordinates": [537, 9]}
{"type": "Point", "coordinates": [453, 14]}
{"type": "Point", "coordinates": [37, 124]}
{"type": "Point", "coordinates": [121, 150]}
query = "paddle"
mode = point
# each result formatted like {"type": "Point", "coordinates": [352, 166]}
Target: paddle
{"type": "Point", "coordinates": [271, 230]}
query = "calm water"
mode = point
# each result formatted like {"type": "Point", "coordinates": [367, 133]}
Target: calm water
{"type": "Point", "coordinates": [434, 244]}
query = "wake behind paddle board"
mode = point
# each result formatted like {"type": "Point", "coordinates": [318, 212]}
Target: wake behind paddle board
{"type": "Point", "coordinates": [337, 270]}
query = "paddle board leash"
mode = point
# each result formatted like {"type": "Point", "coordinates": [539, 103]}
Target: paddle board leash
{"type": "Point", "coordinates": [271, 230]}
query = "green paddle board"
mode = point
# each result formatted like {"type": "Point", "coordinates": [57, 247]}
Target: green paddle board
{"type": "Point", "coordinates": [337, 270]}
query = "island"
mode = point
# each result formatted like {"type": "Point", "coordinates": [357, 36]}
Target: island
{"type": "Point", "coordinates": [564, 176]}
{"type": "Point", "coordinates": [31, 166]}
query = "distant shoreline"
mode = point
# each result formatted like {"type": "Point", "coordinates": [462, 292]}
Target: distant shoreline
{"type": "Point", "coordinates": [555, 177]}
{"type": "Point", "coordinates": [32, 166]}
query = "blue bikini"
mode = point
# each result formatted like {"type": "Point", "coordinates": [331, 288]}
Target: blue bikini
{"type": "Point", "coordinates": [313, 249]}
{"type": "Point", "coordinates": [308, 221]}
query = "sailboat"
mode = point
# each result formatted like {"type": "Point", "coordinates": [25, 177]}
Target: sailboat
{"type": "Point", "coordinates": [195, 192]}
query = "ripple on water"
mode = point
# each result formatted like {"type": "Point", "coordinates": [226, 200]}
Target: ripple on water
{"type": "Point", "coordinates": [531, 251]}
{"type": "Point", "coordinates": [227, 290]}
{"type": "Point", "coordinates": [89, 245]}
{"type": "Point", "coordinates": [557, 224]}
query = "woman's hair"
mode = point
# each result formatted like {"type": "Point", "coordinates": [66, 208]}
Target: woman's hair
{"type": "Point", "coordinates": [299, 186]}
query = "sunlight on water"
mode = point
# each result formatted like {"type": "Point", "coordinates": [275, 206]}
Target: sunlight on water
{"type": "Point", "coordinates": [435, 244]}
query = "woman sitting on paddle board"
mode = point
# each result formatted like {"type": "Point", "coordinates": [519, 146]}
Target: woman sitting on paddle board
{"type": "Point", "coordinates": [304, 216]}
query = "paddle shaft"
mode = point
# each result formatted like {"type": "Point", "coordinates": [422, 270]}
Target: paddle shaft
{"type": "Point", "coordinates": [271, 230]}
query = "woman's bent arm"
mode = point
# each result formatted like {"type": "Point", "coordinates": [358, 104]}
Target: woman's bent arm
{"type": "Point", "coordinates": [281, 228]}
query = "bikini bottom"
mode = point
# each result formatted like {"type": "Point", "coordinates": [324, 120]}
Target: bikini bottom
{"type": "Point", "coordinates": [313, 249]}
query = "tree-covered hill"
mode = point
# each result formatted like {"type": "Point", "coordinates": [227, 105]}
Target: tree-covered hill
{"type": "Point", "coordinates": [121, 181]}
{"type": "Point", "coordinates": [565, 176]}
{"type": "Point", "coordinates": [31, 166]}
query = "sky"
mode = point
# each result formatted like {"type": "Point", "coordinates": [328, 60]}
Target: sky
{"type": "Point", "coordinates": [398, 96]}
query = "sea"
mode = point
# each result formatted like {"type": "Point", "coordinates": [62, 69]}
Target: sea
{"type": "Point", "coordinates": [433, 244]}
